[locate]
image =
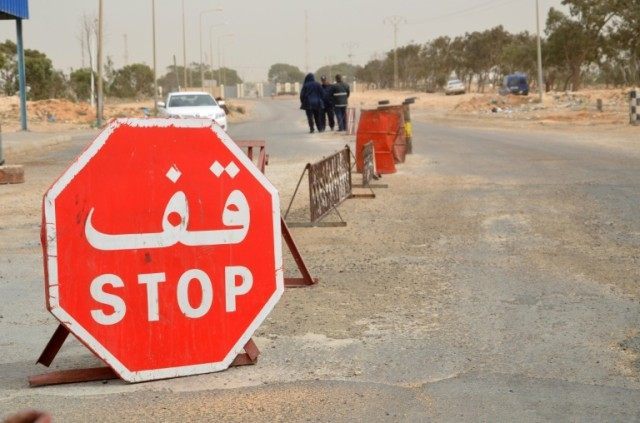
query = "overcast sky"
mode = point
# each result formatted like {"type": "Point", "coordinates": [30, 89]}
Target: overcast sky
{"type": "Point", "coordinates": [265, 31]}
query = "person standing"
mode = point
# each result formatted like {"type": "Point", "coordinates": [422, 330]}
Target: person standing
{"type": "Point", "coordinates": [328, 103]}
{"type": "Point", "coordinates": [311, 101]}
{"type": "Point", "coordinates": [341, 93]}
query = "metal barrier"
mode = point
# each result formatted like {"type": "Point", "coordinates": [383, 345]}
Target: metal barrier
{"type": "Point", "coordinates": [400, 143]}
{"type": "Point", "coordinates": [408, 127]}
{"type": "Point", "coordinates": [369, 168]}
{"type": "Point", "coordinates": [385, 128]}
{"type": "Point", "coordinates": [251, 146]}
{"type": "Point", "coordinates": [634, 108]}
{"type": "Point", "coordinates": [351, 120]}
{"type": "Point", "coordinates": [262, 162]}
{"type": "Point", "coordinates": [329, 183]}
{"type": "Point", "coordinates": [1, 156]}
{"type": "Point", "coordinates": [329, 186]}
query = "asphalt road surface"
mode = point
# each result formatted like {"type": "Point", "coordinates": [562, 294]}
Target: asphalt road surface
{"type": "Point", "coordinates": [496, 279]}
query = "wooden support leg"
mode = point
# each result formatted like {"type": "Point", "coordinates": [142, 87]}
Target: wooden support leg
{"type": "Point", "coordinates": [53, 346]}
{"type": "Point", "coordinates": [306, 279]}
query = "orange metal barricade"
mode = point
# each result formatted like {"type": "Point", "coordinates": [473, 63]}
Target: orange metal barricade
{"type": "Point", "coordinates": [385, 128]}
{"type": "Point", "coordinates": [400, 144]}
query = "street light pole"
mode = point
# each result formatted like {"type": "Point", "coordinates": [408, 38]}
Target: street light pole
{"type": "Point", "coordinates": [184, 46]}
{"type": "Point", "coordinates": [211, 47]}
{"type": "Point", "coordinates": [395, 21]}
{"type": "Point", "coordinates": [540, 82]}
{"type": "Point", "coordinates": [219, 60]}
{"type": "Point", "coordinates": [100, 105]}
{"type": "Point", "coordinates": [217, 9]}
{"type": "Point", "coordinates": [155, 71]}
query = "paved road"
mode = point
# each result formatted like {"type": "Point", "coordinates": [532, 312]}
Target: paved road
{"type": "Point", "coordinates": [285, 129]}
{"type": "Point", "coordinates": [495, 280]}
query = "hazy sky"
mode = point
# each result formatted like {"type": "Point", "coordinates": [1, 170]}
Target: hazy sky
{"type": "Point", "coordinates": [265, 32]}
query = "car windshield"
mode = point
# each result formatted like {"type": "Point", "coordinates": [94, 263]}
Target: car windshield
{"type": "Point", "coordinates": [454, 82]}
{"type": "Point", "coordinates": [191, 100]}
{"type": "Point", "coordinates": [513, 81]}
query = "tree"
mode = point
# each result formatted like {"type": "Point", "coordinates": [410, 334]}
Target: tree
{"type": "Point", "coordinates": [132, 81]}
{"type": "Point", "coordinates": [520, 54]}
{"type": "Point", "coordinates": [39, 73]}
{"type": "Point", "coordinates": [373, 73]}
{"type": "Point", "coordinates": [42, 81]}
{"type": "Point", "coordinates": [624, 48]}
{"type": "Point", "coordinates": [347, 71]}
{"type": "Point", "coordinates": [227, 76]}
{"type": "Point", "coordinates": [575, 41]}
{"type": "Point", "coordinates": [438, 62]}
{"type": "Point", "coordinates": [283, 73]}
{"type": "Point", "coordinates": [80, 83]}
{"type": "Point", "coordinates": [8, 72]}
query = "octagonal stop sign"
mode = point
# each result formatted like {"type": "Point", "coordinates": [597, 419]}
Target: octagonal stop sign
{"type": "Point", "coordinates": [162, 248]}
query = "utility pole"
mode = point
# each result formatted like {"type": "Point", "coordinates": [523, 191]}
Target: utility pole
{"type": "Point", "coordinates": [211, 50]}
{"type": "Point", "coordinates": [306, 41]}
{"type": "Point", "coordinates": [126, 50]}
{"type": "Point", "coordinates": [155, 71]}
{"type": "Point", "coordinates": [350, 46]}
{"type": "Point", "coordinates": [395, 21]}
{"type": "Point", "coordinates": [175, 70]}
{"type": "Point", "coordinates": [220, 70]}
{"type": "Point", "coordinates": [184, 46]}
{"type": "Point", "coordinates": [540, 81]}
{"type": "Point", "coordinates": [217, 9]}
{"type": "Point", "coordinates": [99, 109]}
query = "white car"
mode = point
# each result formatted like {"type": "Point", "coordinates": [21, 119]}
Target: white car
{"type": "Point", "coordinates": [190, 104]}
{"type": "Point", "coordinates": [454, 86]}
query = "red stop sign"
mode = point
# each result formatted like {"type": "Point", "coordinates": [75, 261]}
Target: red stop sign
{"type": "Point", "coordinates": [162, 248]}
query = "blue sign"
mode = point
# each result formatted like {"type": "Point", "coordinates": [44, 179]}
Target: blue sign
{"type": "Point", "coordinates": [16, 9]}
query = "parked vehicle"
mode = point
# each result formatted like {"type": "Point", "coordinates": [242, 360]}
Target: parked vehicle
{"type": "Point", "coordinates": [454, 86]}
{"type": "Point", "coordinates": [515, 84]}
{"type": "Point", "coordinates": [193, 104]}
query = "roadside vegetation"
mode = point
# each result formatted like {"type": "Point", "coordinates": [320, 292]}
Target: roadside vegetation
{"type": "Point", "coordinates": [597, 43]}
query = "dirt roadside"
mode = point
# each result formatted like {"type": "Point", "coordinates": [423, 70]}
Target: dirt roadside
{"type": "Point", "coordinates": [558, 109]}
{"type": "Point", "coordinates": [63, 115]}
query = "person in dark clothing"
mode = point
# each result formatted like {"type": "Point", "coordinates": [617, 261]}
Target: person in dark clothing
{"type": "Point", "coordinates": [328, 103]}
{"type": "Point", "coordinates": [311, 101]}
{"type": "Point", "coordinates": [340, 92]}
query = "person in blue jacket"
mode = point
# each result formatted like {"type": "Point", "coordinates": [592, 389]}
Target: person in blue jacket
{"type": "Point", "coordinates": [311, 101]}
{"type": "Point", "coordinates": [341, 94]}
{"type": "Point", "coordinates": [328, 103]}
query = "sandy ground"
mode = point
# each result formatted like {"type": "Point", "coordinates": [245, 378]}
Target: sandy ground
{"type": "Point", "coordinates": [557, 109]}
{"type": "Point", "coordinates": [496, 279]}
{"type": "Point", "coordinates": [61, 115]}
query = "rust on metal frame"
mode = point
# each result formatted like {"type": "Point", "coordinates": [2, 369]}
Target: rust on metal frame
{"type": "Point", "coordinates": [306, 279]}
{"type": "Point", "coordinates": [329, 183]}
{"type": "Point", "coordinates": [368, 168]}
{"type": "Point", "coordinates": [261, 146]}
{"type": "Point", "coordinates": [250, 356]}
{"type": "Point", "coordinates": [72, 376]}
{"type": "Point", "coordinates": [263, 161]}
{"type": "Point", "coordinates": [53, 346]}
